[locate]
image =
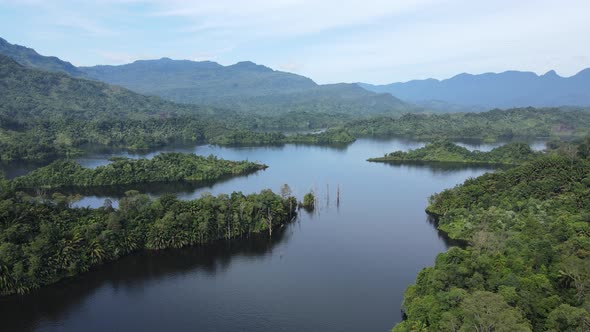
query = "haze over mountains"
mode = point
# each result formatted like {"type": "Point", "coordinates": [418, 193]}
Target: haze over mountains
{"type": "Point", "coordinates": [244, 86]}
{"type": "Point", "coordinates": [503, 90]}
{"type": "Point", "coordinates": [248, 87]}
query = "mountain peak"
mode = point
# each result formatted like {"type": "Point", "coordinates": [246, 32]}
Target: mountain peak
{"type": "Point", "coordinates": [28, 57]}
{"type": "Point", "coordinates": [249, 65]}
{"type": "Point", "coordinates": [551, 73]}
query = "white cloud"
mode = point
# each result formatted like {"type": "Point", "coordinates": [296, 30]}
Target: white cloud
{"type": "Point", "coordinates": [329, 40]}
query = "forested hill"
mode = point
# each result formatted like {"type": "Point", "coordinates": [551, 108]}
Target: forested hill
{"type": "Point", "coordinates": [30, 58]}
{"type": "Point", "coordinates": [28, 94]}
{"type": "Point", "coordinates": [491, 90]}
{"type": "Point", "coordinates": [45, 114]}
{"type": "Point", "coordinates": [244, 86]}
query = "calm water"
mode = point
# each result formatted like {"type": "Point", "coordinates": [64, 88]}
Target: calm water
{"type": "Point", "coordinates": [342, 268]}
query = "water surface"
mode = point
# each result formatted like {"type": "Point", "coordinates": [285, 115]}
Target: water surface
{"type": "Point", "coordinates": [343, 268]}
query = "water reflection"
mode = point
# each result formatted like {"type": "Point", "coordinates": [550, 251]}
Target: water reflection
{"type": "Point", "coordinates": [131, 274]}
{"type": "Point", "coordinates": [441, 168]}
{"type": "Point", "coordinates": [342, 268]}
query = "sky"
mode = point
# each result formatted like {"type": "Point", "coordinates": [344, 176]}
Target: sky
{"type": "Point", "coordinates": [373, 41]}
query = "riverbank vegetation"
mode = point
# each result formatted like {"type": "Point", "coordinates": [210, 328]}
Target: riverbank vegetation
{"type": "Point", "coordinates": [526, 266]}
{"type": "Point", "coordinates": [165, 167]}
{"type": "Point", "coordinates": [448, 152]}
{"type": "Point", "coordinates": [43, 241]}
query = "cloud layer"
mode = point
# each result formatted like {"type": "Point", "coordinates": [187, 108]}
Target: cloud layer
{"type": "Point", "coordinates": [329, 41]}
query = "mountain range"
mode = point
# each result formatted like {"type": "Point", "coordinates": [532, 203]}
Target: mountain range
{"type": "Point", "coordinates": [252, 88]}
{"type": "Point", "coordinates": [490, 90]}
{"type": "Point", "coordinates": [244, 86]}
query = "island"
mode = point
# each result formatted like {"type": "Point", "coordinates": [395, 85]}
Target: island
{"type": "Point", "coordinates": [448, 152]}
{"type": "Point", "coordinates": [165, 167]}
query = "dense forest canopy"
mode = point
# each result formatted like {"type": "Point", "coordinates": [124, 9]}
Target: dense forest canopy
{"type": "Point", "coordinates": [165, 167]}
{"type": "Point", "coordinates": [446, 151]}
{"type": "Point", "coordinates": [526, 263]}
{"type": "Point", "coordinates": [43, 241]}
{"type": "Point", "coordinates": [491, 125]}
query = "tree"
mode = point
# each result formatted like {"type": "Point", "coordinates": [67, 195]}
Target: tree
{"type": "Point", "coordinates": [285, 191]}
{"type": "Point", "coordinates": [309, 201]}
{"type": "Point", "coordinates": [488, 312]}
{"type": "Point", "coordinates": [567, 318]}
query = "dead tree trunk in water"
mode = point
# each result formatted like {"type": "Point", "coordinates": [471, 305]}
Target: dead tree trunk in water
{"type": "Point", "coordinates": [269, 220]}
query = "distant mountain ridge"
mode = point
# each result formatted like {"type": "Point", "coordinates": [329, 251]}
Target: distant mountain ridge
{"type": "Point", "coordinates": [176, 78]}
{"type": "Point", "coordinates": [244, 86]}
{"type": "Point", "coordinates": [30, 58]}
{"type": "Point", "coordinates": [494, 90]}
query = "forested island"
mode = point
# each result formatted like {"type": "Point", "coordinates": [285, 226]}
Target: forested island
{"type": "Point", "coordinates": [525, 266]}
{"type": "Point", "coordinates": [42, 241]}
{"type": "Point", "coordinates": [448, 152]}
{"type": "Point", "coordinates": [329, 137]}
{"type": "Point", "coordinates": [165, 167]}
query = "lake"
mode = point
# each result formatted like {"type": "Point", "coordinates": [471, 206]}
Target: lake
{"type": "Point", "coordinates": [342, 268]}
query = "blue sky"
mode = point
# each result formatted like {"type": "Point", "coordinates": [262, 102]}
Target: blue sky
{"type": "Point", "coordinates": [326, 40]}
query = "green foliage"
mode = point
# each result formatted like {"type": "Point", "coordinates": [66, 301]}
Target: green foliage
{"type": "Point", "coordinates": [485, 311]}
{"type": "Point", "coordinates": [165, 167]}
{"type": "Point", "coordinates": [527, 231]}
{"type": "Point", "coordinates": [331, 136]}
{"type": "Point", "coordinates": [308, 201]}
{"type": "Point", "coordinates": [491, 125]}
{"type": "Point", "coordinates": [568, 318]}
{"type": "Point", "coordinates": [42, 242]}
{"type": "Point", "coordinates": [445, 151]}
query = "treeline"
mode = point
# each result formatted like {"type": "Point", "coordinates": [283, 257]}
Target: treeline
{"type": "Point", "coordinates": [491, 125]}
{"type": "Point", "coordinates": [42, 241]}
{"type": "Point", "coordinates": [526, 264]}
{"type": "Point", "coordinates": [165, 167]}
{"type": "Point", "coordinates": [446, 151]}
{"type": "Point", "coordinates": [330, 136]}
{"type": "Point", "coordinates": [49, 115]}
